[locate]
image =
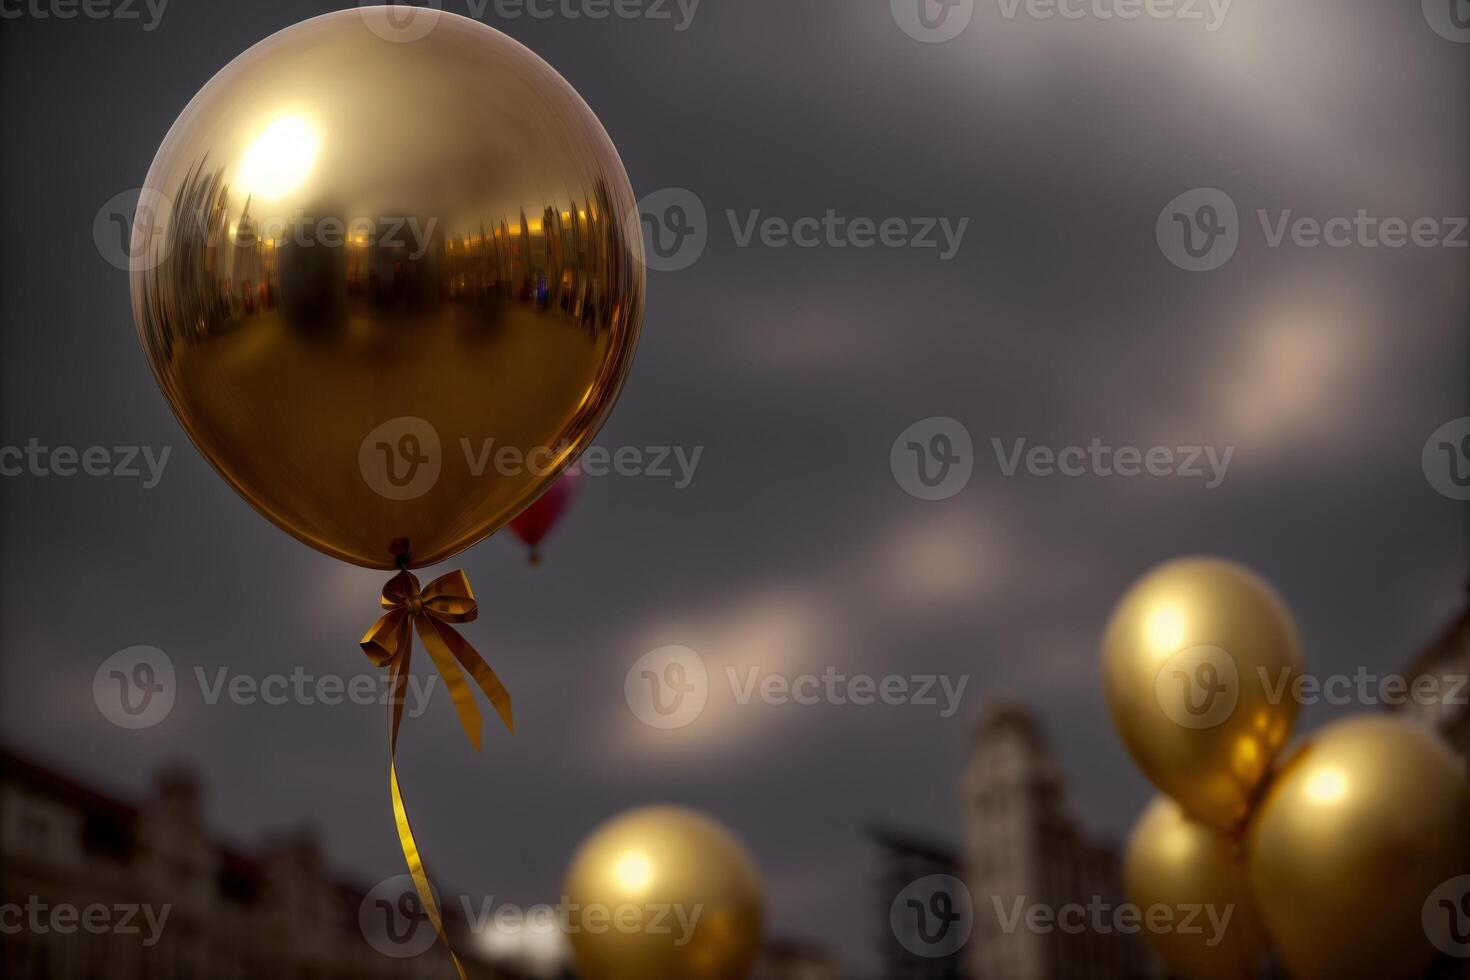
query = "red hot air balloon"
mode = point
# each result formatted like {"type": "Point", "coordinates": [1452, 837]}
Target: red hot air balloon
{"type": "Point", "coordinates": [533, 524]}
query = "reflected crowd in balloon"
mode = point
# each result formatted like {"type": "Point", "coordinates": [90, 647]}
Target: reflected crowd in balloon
{"type": "Point", "coordinates": [210, 271]}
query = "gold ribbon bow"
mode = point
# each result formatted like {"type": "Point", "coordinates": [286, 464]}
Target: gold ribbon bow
{"type": "Point", "coordinates": [389, 643]}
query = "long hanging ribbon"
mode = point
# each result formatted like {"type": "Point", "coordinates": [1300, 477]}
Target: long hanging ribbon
{"type": "Point", "coordinates": [389, 643]}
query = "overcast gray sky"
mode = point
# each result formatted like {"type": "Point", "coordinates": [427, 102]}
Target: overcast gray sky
{"type": "Point", "coordinates": [794, 548]}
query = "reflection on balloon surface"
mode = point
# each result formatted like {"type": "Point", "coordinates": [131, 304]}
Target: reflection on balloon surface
{"type": "Point", "coordinates": [431, 243]}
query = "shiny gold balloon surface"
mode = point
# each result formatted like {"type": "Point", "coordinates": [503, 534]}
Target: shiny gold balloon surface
{"type": "Point", "coordinates": [1198, 664]}
{"type": "Point", "coordinates": [671, 859]}
{"type": "Point", "coordinates": [1182, 864]}
{"type": "Point", "coordinates": [387, 270]}
{"type": "Point", "coordinates": [1365, 821]}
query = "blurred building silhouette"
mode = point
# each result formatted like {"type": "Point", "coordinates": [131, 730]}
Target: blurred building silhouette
{"type": "Point", "coordinates": [907, 858]}
{"type": "Point", "coordinates": [1024, 843]}
{"type": "Point", "coordinates": [231, 915]}
{"type": "Point", "coordinates": [1023, 848]}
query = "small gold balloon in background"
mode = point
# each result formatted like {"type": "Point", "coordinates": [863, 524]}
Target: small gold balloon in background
{"type": "Point", "coordinates": [663, 893]}
{"type": "Point", "coordinates": [1182, 864]}
{"type": "Point", "coordinates": [1362, 828]}
{"type": "Point", "coordinates": [1199, 660]}
{"type": "Point", "coordinates": [387, 271]}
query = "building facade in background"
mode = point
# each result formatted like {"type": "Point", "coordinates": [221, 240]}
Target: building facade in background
{"type": "Point", "coordinates": [1026, 849]}
{"type": "Point", "coordinates": [179, 904]}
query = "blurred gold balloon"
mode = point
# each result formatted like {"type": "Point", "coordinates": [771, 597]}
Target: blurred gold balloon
{"type": "Point", "coordinates": [686, 865]}
{"type": "Point", "coordinates": [388, 272]}
{"type": "Point", "coordinates": [1199, 661]}
{"type": "Point", "coordinates": [1182, 864]}
{"type": "Point", "coordinates": [1364, 823]}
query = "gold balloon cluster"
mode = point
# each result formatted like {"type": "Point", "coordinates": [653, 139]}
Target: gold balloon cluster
{"type": "Point", "coordinates": [1333, 856]}
{"type": "Point", "coordinates": [663, 892]}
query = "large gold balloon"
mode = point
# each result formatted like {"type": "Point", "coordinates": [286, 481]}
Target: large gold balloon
{"type": "Point", "coordinates": [1363, 827]}
{"type": "Point", "coordinates": [387, 270]}
{"type": "Point", "coordinates": [1200, 877]}
{"type": "Point", "coordinates": [663, 893]}
{"type": "Point", "coordinates": [1199, 662]}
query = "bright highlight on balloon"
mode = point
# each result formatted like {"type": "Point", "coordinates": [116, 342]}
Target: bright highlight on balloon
{"type": "Point", "coordinates": [280, 159]}
{"type": "Point", "coordinates": [1164, 630]}
{"type": "Point", "coordinates": [634, 872]}
{"type": "Point", "coordinates": [1327, 786]}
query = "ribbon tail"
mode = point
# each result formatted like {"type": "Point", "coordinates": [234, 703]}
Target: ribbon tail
{"type": "Point", "coordinates": [434, 639]}
{"type": "Point", "coordinates": [399, 681]}
{"type": "Point", "coordinates": [474, 665]}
